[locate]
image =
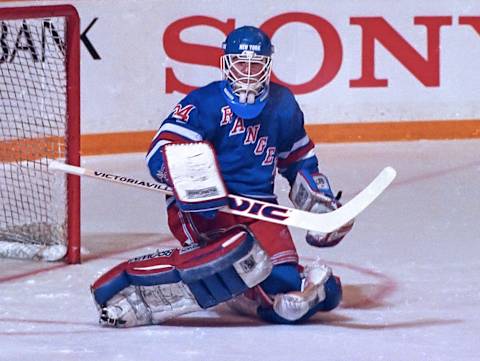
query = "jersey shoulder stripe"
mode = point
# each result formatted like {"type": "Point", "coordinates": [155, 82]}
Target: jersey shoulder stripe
{"type": "Point", "coordinates": [296, 155]}
{"type": "Point", "coordinates": [181, 131]}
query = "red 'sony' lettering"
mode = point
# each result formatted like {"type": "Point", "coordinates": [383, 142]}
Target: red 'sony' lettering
{"type": "Point", "coordinates": [373, 29]}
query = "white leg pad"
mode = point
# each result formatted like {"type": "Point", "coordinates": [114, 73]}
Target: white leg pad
{"type": "Point", "coordinates": [126, 309]}
{"type": "Point", "coordinates": [168, 301]}
{"type": "Point", "coordinates": [147, 305]}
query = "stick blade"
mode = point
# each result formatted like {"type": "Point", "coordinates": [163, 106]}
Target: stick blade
{"type": "Point", "coordinates": [329, 222]}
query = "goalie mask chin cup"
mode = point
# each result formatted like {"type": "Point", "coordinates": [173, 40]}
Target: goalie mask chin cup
{"type": "Point", "coordinates": [244, 109]}
{"type": "Point", "coordinates": [246, 67]}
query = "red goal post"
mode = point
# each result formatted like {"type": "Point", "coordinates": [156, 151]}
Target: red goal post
{"type": "Point", "coordinates": [39, 121]}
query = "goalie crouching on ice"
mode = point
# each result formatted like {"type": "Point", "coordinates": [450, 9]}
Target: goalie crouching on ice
{"type": "Point", "coordinates": [229, 136]}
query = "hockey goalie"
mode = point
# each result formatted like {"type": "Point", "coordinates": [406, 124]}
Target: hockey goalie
{"type": "Point", "coordinates": [231, 136]}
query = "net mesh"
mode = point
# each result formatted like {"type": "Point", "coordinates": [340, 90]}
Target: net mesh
{"type": "Point", "coordinates": [33, 87]}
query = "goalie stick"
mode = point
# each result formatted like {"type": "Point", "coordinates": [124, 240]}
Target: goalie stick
{"type": "Point", "coordinates": [247, 207]}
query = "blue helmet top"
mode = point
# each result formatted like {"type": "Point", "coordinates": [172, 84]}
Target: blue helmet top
{"type": "Point", "coordinates": [246, 68]}
{"type": "Point", "coordinates": [248, 38]}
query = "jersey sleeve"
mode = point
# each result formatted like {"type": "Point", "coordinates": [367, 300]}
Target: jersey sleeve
{"type": "Point", "coordinates": [181, 126]}
{"type": "Point", "coordinates": [298, 150]}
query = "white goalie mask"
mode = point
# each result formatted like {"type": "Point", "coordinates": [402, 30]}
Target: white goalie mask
{"type": "Point", "coordinates": [246, 68]}
{"type": "Point", "coordinates": [248, 74]}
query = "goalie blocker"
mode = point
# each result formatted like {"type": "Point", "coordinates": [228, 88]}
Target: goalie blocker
{"type": "Point", "coordinates": [155, 287]}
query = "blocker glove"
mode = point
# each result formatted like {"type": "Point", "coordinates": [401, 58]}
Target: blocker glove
{"type": "Point", "coordinates": [193, 173]}
{"type": "Point", "coordinates": [311, 192]}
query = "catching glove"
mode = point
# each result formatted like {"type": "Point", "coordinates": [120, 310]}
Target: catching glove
{"type": "Point", "coordinates": [312, 193]}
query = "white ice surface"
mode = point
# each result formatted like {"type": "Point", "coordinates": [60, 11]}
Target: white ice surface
{"type": "Point", "coordinates": [410, 270]}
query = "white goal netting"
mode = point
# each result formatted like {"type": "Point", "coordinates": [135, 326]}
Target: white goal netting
{"type": "Point", "coordinates": [33, 126]}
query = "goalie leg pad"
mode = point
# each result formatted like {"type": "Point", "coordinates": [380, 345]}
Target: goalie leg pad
{"type": "Point", "coordinates": [211, 274]}
{"type": "Point", "coordinates": [125, 309]}
{"type": "Point", "coordinates": [110, 284]}
{"type": "Point", "coordinates": [214, 273]}
{"type": "Point", "coordinates": [217, 288]}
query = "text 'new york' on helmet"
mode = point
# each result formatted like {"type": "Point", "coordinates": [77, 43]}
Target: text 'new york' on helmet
{"type": "Point", "coordinates": [246, 67]}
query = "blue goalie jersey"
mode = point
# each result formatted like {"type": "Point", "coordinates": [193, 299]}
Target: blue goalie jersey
{"type": "Point", "coordinates": [248, 150]}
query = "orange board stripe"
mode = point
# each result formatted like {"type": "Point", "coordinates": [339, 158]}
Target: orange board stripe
{"type": "Point", "coordinates": [133, 142]}
{"type": "Point", "coordinates": [114, 143]}
{"type": "Point", "coordinates": [17, 150]}
{"type": "Point", "coordinates": [394, 131]}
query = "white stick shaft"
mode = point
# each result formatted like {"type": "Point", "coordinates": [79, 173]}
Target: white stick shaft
{"type": "Point", "coordinates": [242, 206]}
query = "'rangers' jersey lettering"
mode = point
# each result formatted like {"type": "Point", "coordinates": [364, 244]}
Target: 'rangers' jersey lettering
{"type": "Point", "coordinates": [238, 127]}
{"type": "Point", "coordinates": [227, 115]}
{"type": "Point", "coordinates": [252, 133]}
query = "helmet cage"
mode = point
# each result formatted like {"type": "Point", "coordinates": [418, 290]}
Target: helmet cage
{"type": "Point", "coordinates": [248, 74]}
